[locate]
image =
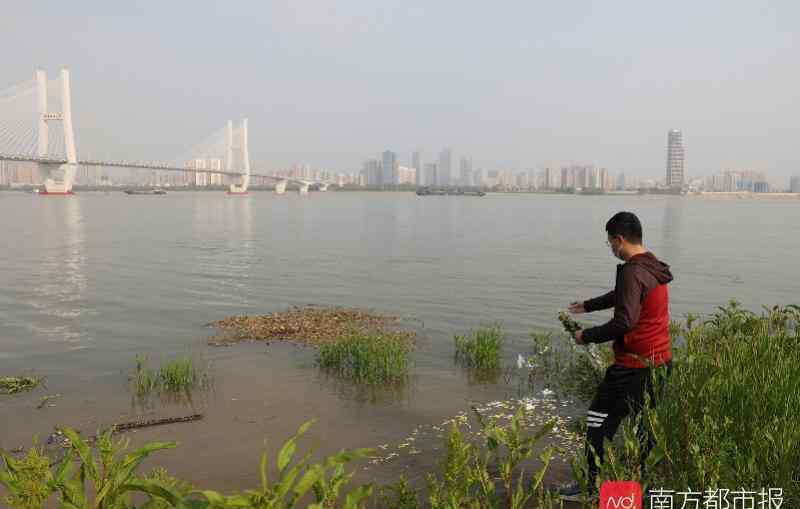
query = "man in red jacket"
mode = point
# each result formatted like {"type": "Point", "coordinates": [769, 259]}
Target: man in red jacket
{"type": "Point", "coordinates": [639, 330]}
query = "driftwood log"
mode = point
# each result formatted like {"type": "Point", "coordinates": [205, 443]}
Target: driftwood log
{"type": "Point", "coordinates": [125, 426]}
{"type": "Point", "coordinates": [59, 439]}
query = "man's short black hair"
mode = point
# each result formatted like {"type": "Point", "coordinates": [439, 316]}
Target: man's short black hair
{"type": "Point", "coordinates": [627, 225]}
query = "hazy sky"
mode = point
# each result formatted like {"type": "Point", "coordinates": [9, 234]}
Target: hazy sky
{"type": "Point", "coordinates": [516, 85]}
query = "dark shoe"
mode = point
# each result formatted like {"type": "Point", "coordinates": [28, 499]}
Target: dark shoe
{"type": "Point", "coordinates": [574, 493]}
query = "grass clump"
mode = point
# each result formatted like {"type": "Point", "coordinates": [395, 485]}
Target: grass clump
{"type": "Point", "coordinates": [178, 375]}
{"type": "Point", "coordinates": [368, 357]}
{"type": "Point", "coordinates": [481, 349]}
{"type": "Point", "coordinates": [15, 384]}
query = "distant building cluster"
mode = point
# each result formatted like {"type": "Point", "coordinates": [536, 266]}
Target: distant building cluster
{"type": "Point", "coordinates": [17, 174]}
{"type": "Point", "coordinates": [306, 172]}
{"type": "Point", "coordinates": [736, 181]}
{"type": "Point", "coordinates": [387, 171]}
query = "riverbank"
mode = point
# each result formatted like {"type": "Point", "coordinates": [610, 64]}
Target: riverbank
{"type": "Point", "coordinates": [732, 382]}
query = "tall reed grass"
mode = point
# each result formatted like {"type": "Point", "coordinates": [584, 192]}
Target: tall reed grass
{"type": "Point", "coordinates": [368, 357]}
{"type": "Point", "coordinates": [178, 375]}
{"type": "Point", "coordinates": [480, 349]}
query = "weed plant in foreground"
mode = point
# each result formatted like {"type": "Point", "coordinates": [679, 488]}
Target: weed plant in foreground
{"type": "Point", "coordinates": [104, 476]}
{"type": "Point", "coordinates": [371, 357]}
{"type": "Point", "coordinates": [481, 349]}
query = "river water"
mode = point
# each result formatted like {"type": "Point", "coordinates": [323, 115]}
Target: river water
{"type": "Point", "coordinates": [93, 280]}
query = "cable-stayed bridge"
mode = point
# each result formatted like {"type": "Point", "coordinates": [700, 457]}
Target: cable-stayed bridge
{"type": "Point", "coordinates": [36, 126]}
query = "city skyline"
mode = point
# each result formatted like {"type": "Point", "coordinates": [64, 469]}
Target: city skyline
{"type": "Point", "coordinates": [548, 86]}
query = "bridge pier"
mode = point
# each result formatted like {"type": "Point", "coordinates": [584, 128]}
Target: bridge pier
{"type": "Point", "coordinates": [60, 181]}
{"type": "Point", "coordinates": [244, 182]}
{"type": "Point", "coordinates": [280, 186]}
{"type": "Point", "coordinates": [303, 188]}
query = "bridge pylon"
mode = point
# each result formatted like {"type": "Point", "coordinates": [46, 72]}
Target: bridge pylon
{"type": "Point", "coordinates": [61, 179]}
{"type": "Point", "coordinates": [240, 144]}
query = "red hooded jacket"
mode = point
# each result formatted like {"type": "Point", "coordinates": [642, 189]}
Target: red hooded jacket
{"type": "Point", "coordinates": [640, 326]}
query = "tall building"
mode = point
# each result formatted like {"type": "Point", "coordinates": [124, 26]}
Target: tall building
{"type": "Point", "coordinates": [465, 171]}
{"type": "Point", "coordinates": [761, 187]}
{"type": "Point", "coordinates": [477, 178]}
{"type": "Point", "coordinates": [4, 175]}
{"type": "Point", "coordinates": [621, 181]}
{"type": "Point", "coordinates": [566, 181]}
{"type": "Point", "coordinates": [416, 163]}
{"type": "Point", "coordinates": [605, 180]}
{"type": "Point", "coordinates": [581, 177]}
{"type": "Point", "coordinates": [390, 176]}
{"type": "Point", "coordinates": [431, 173]}
{"type": "Point", "coordinates": [406, 175]}
{"type": "Point", "coordinates": [445, 173]}
{"type": "Point", "coordinates": [372, 172]}
{"type": "Point", "coordinates": [794, 184]}
{"type": "Point", "coordinates": [675, 159]}
{"type": "Point", "coordinates": [548, 177]}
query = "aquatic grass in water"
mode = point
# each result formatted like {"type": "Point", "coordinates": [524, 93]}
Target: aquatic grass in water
{"type": "Point", "coordinates": [15, 384]}
{"type": "Point", "coordinates": [368, 357]}
{"type": "Point", "coordinates": [481, 349]}
{"type": "Point", "coordinates": [173, 376]}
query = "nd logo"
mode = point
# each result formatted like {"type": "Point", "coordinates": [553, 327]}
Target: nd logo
{"type": "Point", "coordinates": [621, 495]}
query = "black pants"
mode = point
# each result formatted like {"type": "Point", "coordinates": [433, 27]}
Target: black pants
{"type": "Point", "coordinates": [620, 393]}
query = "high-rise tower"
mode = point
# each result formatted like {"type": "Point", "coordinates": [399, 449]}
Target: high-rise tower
{"type": "Point", "coordinates": [675, 159]}
{"type": "Point", "coordinates": [445, 168]}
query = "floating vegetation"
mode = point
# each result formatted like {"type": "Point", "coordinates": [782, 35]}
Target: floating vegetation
{"type": "Point", "coordinates": [179, 375]}
{"type": "Point", "coordinates": [16, 384]}
{"type": "Point", "coordinates": [481, 349]}
{"type": "Point", "coordinates": [368, 357]}
{"type": "Point", "coordinates": [310, 325]}
{"type": "Point", "coordinates": [46, 399]}
{"type": "Point", "coordinates": [569, 324]}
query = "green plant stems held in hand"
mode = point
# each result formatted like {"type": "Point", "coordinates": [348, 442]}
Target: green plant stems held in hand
{"type": "Point", "coordinates": [569, 324]}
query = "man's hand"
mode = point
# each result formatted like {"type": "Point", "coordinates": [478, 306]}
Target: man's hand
{"type": "Point", "coordinates": [579, 337]}
{"type": "Point", "coordinates": [576, 308]}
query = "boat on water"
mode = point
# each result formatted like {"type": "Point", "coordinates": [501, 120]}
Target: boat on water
{"type": "Point", "coordinates": [425, 191]}
{"type": "Point", "coordinates": [145, 191]}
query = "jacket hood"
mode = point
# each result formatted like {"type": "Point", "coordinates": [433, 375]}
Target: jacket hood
{"type": "Point", "coordinates": [654, 266]}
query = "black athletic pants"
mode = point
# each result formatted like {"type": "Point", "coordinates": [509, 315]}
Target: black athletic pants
{"type": "Point", "coordinates": [620, 393]}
